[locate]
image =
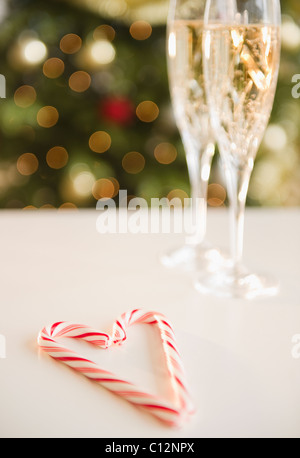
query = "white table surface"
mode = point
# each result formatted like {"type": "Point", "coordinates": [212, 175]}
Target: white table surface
{"type": "Point", "coordinates": [237, 354]}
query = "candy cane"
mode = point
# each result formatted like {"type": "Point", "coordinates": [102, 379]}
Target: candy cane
{"type": "Point", "coordinates": [173, 413]}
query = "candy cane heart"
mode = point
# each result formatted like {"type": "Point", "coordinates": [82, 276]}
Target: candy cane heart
{"type": "Point", "coordinates": [173, 412]}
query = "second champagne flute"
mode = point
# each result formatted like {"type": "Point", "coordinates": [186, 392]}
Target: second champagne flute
{"type": "Point", "coordinates": [185, 68]}
{"type": "Point", "coordinates": [241, 63]}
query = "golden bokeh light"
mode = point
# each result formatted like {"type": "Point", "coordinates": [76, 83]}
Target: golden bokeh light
{"type": "Point", "coordinates": [140, 30]}
{"type": "Point", "coordinates": [70, 43]}
{"type": "Point", "coordinates": [25, 96]}
{"type": "Point", "coordinates": [29, 207]}
{"type": "Point", "coordinates": [165, 153]}
{"type": "Point", "coordinates": [104, 31]}
{"type": "Point", "coordinates": [147, 111]}
{"type": "Point", "coordinates": [116, 185]}
{"type": "Point", "coordinates": [47, 116]}
{"type": "Point", "coordinates": [100, 141]}
{"type": "Point", "coordinates": [103, 189]}
{"type": "Point", "coordinates": [177, 194]}
{"type": "Point", "coordinates": [53, 68]}
{"type": "Point", "coordinates": [57, 157]}
{"type": "Point", "coordinates": [67, 206]}
{"type": "Point", "coordinates": [80, 81]}
{"type": "Point", "coordinates": [133, 162]}
{"type": "Point", "coordinates": [27, 164]}
{"type": "Point", "coordinates": [83, 183]}
{"type": "Point", "coordinates": [216, 195]}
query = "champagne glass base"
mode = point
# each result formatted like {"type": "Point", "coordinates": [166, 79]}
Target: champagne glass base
{"type": "Point", "coordinates": [193, 258]}
{"type": "Point", "coordinates": [230, 284]}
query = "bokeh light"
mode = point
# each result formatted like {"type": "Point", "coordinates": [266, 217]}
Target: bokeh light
{"type": "Point", "coordinates": [116, 185]}
{"type": "Point", "coordinates": [103, 52]}
{"type": "Point", "coordinates": [83, 183]}
{"type": "Point", "coordinates": [29, 207]}
{"type": "Point", "coordinates": [147, 111]}
{"type": "Point", "coordinates": [104, 189]}
{"type": "Point", "coordinates": [53, 68]}
{"type": "Point", "coordinates": [67, 206]}
{"type": "Point", "coordinates": [70, 43]}
{"type": "Point", "coordinates": [275, 137]}
{"type": "Point", "coordinates": [115, 8]}
{"type": "Point", "coordinates": [79, 81]}
{"type": "Point", "coordinates": [85, 89]}
{"type": "Point", "coordinates": [216, 195]}
{"type": "Point", "coordinates": [57, 157]}
{"type": "Point", "coordinates": [27, 164]}
{"type": "Point", "coordinates": [177, 194]}
{"type": "Point", "coordinates": [140, 30]}
{"type": "Point", "coordinates": [133, 162]}
{"type": "Point", "coordinates": [78, 167]}
{"type": "Point", "coordinates": [165, 153]}
{"type": "Point", "coordinates": [47, 116]}
{"type": "Point", "coordinates": [35, 52]}
{"type": "Point", "coordinates": [25, 96]}
{"type": "Point", "coordinates": [266, 180]}
{"type": "Point", "coordinates": [290, 33]}
{"type": "Point", "coordinates": [100, 141]}
{"type": "Point", "coordinates": [104, 31]}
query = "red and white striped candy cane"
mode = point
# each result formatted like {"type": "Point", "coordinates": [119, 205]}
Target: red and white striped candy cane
{"type": "Point", "coordinates": [173, 413]}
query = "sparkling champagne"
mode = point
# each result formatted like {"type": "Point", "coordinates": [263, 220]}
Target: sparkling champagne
{"type": "Point", "coordinates": [241, 70]}
{"type": "Point", "coordinates": [185, 65]}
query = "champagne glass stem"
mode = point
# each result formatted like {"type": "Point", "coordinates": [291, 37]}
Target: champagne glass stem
{"type": "Point", "coordinates": [238, 184]}
{"type": "Point", "coordinates": [199, 166]}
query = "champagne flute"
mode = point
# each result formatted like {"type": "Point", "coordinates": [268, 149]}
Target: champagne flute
{"type": "Point", "coordinates": [241, 49]}
{"type": "Point", "coordinates": [185, 69]}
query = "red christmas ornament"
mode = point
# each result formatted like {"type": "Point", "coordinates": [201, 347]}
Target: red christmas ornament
{"type": "Point", "coordinates": [118, 110]}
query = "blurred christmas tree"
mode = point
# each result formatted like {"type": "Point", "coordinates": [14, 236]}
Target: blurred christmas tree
{"type": "Point", "coordinates": [88, 109]}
